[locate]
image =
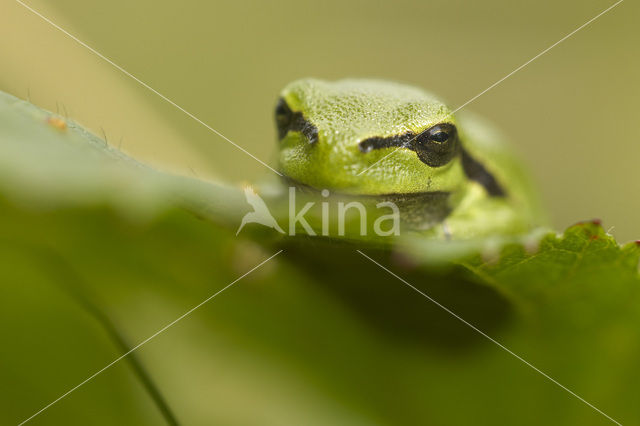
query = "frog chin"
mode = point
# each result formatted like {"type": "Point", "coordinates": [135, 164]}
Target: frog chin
{"type": "Point", "coordinates": [418, 210]}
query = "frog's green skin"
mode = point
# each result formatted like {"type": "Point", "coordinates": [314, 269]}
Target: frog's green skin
{"type": "Point", "coordinates": [321, 125]}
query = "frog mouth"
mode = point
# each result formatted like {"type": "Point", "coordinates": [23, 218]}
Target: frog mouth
{"type": "Point", "coordinates": [308, 189]}
{"type": "Point", "coordinates": [418, 210]}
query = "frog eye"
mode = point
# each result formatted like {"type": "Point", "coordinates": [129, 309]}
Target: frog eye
{"type": "Point", "coordinates": [437, 145]}
{"type": "Point", "coordinates": [284, 117]}
{"type": "Point", "coordinates": [287, 120]}
{"type": "Point", "coordinates": [438, 135]}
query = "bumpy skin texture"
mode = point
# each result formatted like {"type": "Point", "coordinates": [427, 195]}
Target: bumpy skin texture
{"type": "Point", "coordinates": [347, 112]}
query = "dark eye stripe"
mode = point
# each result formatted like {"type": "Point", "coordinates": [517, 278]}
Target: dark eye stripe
{"type": "Point", "coordinates": [477, 172]}
{"type": "Point", "coordinates": [472, 168]}
{"type": "Point", "coordinates": [378, 142]}
{"type": "Point", "coordinates": [435, 152]}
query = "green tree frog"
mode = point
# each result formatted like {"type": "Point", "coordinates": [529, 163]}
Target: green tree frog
{"type": "Point", "coordinates": [450, 174]}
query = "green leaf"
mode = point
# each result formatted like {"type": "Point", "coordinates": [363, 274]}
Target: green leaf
{"type": "Point", "coordinates": [98, 253]}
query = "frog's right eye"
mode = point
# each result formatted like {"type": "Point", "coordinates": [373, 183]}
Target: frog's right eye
{"type": "Point", "coordinates": [284, 117]}
{"type": "Point", "coordinates": [288, 120]}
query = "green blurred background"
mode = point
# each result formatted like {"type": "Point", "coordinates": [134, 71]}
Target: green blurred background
{"type": "Point", "coordinates": [572, 113]}
{"type": "Point", "coordinates": [332, 340]}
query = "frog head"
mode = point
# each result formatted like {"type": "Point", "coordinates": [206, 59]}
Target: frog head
{"type": "Point", "coordinates": [367, 137]}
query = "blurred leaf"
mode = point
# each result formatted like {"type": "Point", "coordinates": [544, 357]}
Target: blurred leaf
{"type": "Point", "coordinates": [98, 252]}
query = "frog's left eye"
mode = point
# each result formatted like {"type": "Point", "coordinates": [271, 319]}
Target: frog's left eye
{"type": "Point", "coordinates": [439, 135]}
{"type": "Point", "coordinates": [437, 145]}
